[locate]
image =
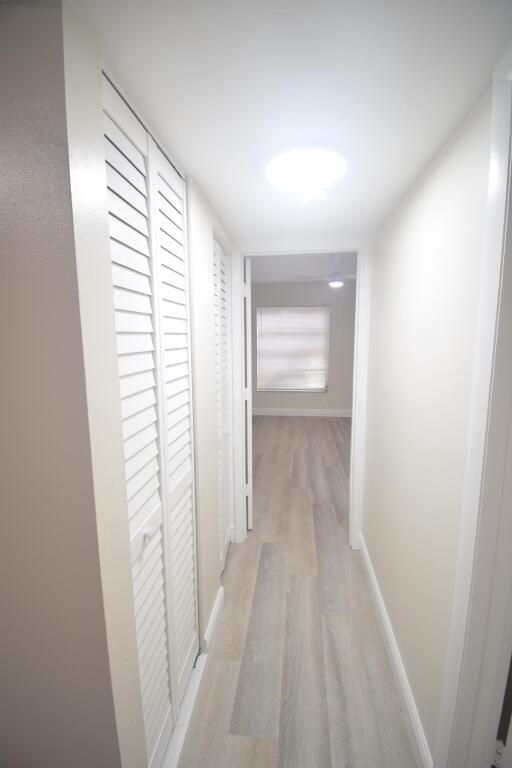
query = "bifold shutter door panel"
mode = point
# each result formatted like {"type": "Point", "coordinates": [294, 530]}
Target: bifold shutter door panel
{"type": "Point", "coordinates": [126, 154]}
{"type": "Point", "coordinates": [168, 234]}
{"type": "Point", "coordinates": [138, 298]}
{"type": "Point", "coordinates": [222, 316]}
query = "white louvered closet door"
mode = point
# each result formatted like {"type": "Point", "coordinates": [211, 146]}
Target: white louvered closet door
{"type": "Point", "coordinates": [171, 259]}
{"type": "Point", "coordinates": [160, 514]}
{"type": "Point", "coordinates": [222, 315]}
{"type": "Point", "coordinates": [126, 154]}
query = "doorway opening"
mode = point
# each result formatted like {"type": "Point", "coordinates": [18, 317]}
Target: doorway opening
{"type": "Point", "coordinates": [303, 314]}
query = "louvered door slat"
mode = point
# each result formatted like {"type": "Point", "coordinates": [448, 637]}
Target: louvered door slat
{"type": "Point", "coordinates": [149, 590]}
{"type": "Point", "coordinates": [129, 301]}
{"type": "Point", "coordinates": [131, 280]}
{"type": "Point", "coordinates": [171, 196]}
{"type": "Point", "coordinates": [139, 441]}
{"type": "Point", "coordinates": [180, 464]}
{"type": "Point", "coordinates": [152, 560]}
{"type": "Point", "coordinates": [133, 322]}
{"type": "Point", "coordinates": [125, 190]}
{"type": "Point", "coordinates": [125, 233]}
{"type": "Point", "coordinates": [129, 343]}
{"type": "Point", "coordinates": [137, 402]}
{"type": "Point", "coordinates": [169, 212]}
{"type": "Point", "coordinates": [123, 144]}
{"type": "Point", "coordinates": [138, 422]}
{"type": "Point", "coordinates": [132, 466]}
{"type": "Point", "coordinates": [117, 160]}
{"type": "Point", "coordinates": [173, 262]}
{"type": "Point", "coordinates": [126, 257]}
{"type": "Point", "coordinates": [138, 382]}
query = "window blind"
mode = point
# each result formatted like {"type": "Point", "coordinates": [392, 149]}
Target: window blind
{"type": "Point", "coordinates": [292, 348]}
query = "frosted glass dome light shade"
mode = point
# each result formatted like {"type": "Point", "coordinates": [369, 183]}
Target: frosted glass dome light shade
{"type": "Point", "coordinates": [308, 172]}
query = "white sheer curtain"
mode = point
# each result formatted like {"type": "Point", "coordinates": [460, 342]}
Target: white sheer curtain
{"type": "Point", "coordinates": [292, 348]}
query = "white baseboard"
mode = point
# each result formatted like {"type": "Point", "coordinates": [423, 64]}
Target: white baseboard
{"type": "Point", "coordinates": [173, 753]}
{"type": "Point", "coordinates": [333, 412]}
{"type": "Point", "coordinates": [397, 663]}
{"type": "Point", "coordinates": [212, 623]}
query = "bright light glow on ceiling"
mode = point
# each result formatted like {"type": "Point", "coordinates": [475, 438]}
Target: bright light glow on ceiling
{"type": "Point", "coordinates": [310, 172]}
{"type": "Point", "coordinates": [335, 283]}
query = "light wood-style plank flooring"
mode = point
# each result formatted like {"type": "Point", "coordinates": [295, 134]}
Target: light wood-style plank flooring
{"type": "Point", "coordinates": [298, 675]}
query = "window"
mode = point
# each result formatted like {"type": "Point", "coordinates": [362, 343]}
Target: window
{"type": "Point", "coordinates": [292, 348]}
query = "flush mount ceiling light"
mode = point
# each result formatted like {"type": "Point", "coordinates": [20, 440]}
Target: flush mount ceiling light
{"type": "Point", "coordinates": [335, 282]}
{"type": "Point", "coordinates": [310, 172]}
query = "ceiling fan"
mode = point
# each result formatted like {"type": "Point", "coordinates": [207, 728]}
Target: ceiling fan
{"type": "Point", "coordinates": [336, 277]}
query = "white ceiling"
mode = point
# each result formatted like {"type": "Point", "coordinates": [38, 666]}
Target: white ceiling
{"type": "Point", "coordinates": [225, 83]}
{"type": "Point", "coordinates": [302, 267]}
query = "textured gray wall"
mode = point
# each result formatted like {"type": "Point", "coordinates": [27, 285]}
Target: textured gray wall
{"type": "Point", "coordinates": [55, 690]}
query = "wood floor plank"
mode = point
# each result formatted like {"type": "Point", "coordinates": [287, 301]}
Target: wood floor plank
{"type": "Point", "coordinates": [300, 534]}
{"type": "Point", "coordinates": [298, 433]}
{"type": "Point", "coordinates": [238, 580]}
{"type": "Point", "coordinates": [321, 441]}
{"type": "Point", "coordinates": [339, 492]}
{"type": "Point", "coordinates": [256, 460]}
{"type": "Point", "coordinates": [298, 672]}
{"type": "Point", "coordinates": [208, 742]}
{"type": "Point", "coordinates": [331, 585]}
{"type": "Point", "coordinates": [318, 479]}
{"type": "Point", "coordinates": [300, 471]}
{"type": "Point", "coordinates": [257, 701]}
{"type": "Point", "coordinates": [303, 721]}
{"type": "Point", "coordinates": [272, 487]}
{"type": "Point", "coordinates": [353, 727]}
{"type": "Point", "coordinates": [245, 752]}
{"type": "Point", "coordinates": [341, 432]}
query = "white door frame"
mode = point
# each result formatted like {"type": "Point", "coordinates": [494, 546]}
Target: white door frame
{"type": "Point", "coordinates": [481, 629]}
{"type": "Point", "coordinates": [360, 373]}
{"type": "Point", "coordinates": [239, 395]}
{"type": "Point", "coordinates": [247, 371]}
{"type": "Point", "coordinates": [360, 395]}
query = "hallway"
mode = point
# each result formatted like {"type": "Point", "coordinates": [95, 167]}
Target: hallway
{"type": "Point", "coordinates": [298, 675]}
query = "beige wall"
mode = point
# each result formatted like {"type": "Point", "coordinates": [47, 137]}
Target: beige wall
{"type": "Point", "coordinates": [56, 694]}
{"type": "Point", "coordinates": [202, 226]}
{"type": "Point", "coordinates": [341, 352]}
{"type": "Point", "coordinates": [425, 285]}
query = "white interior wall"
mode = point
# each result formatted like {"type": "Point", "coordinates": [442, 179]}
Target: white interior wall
{"type": "Point", "coordinates": [426, 268]}
{"type": "Point", "coordinates": [338, 398]}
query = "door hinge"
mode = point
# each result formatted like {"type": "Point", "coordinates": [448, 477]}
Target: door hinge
{"type": "Point", "coordinates": [496, 763]}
